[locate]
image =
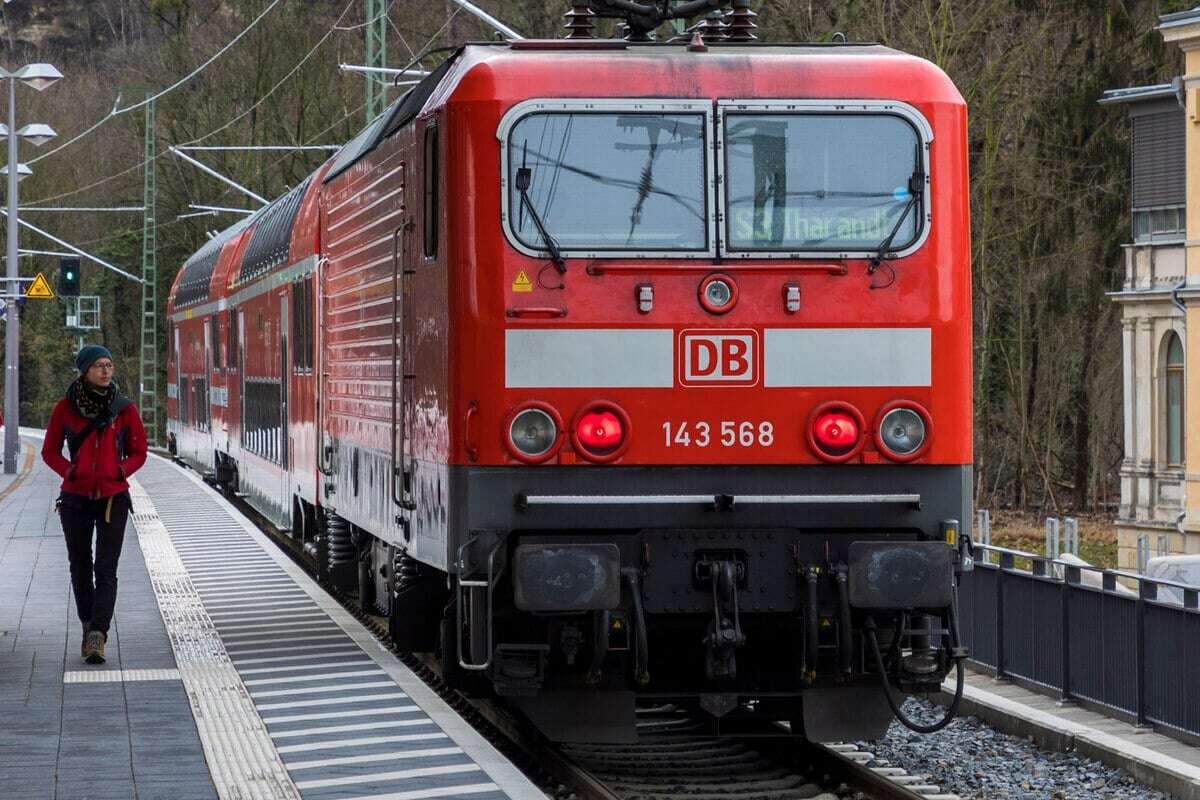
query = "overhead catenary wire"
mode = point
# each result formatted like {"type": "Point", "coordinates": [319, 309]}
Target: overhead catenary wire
{"type": "Point", "coordinates": [116, 112]}
{"type": "Point", "coordinates": [141, 164]}
{"type": "Point", "coordinates": [94, 209]}
{"type": "Point", "coordinates": [200, 165]}
{"type": "Point", "coordinates": [309, 141]}
{"type": "Point", "coordinates": [281, 81]}
{"type": "Point", "coordinates": [73, 248]}
{"type": "Point", "coordinates": [257, 147]}
{"type": "Point", "coordinates": [222, 209]}
{"type": "Point", "coordinates": [496, 24]}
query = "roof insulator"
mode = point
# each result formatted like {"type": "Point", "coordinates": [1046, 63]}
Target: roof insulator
{"type": "Point", "coordinates": [741, 22]}
{"type": "Point", "coordinates": [711, 28]}
{"type": "Point", "coordinates": [580, 20]}
{"type": "Point", "coordinates": [697, 44]}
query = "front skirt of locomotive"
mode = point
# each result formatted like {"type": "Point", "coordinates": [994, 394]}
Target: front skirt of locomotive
{"type": "Point", "coordinates": [743, 594]}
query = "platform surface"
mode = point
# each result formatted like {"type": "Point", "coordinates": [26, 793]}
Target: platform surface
{"type": "Point", "coordinates": [230, 673]}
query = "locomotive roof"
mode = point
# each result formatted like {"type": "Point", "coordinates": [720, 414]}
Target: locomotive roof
{"type": "Point", "coordinates": [559, 68]}
{"type": "Point", "coordinates": [843, 70]}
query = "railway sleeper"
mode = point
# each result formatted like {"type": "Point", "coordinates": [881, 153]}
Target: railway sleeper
{"type": "Point", "coordinates": [774, 781]}
{"type": "Point", "coordinates": [805, 792]}
{"type": "Point", "coordinates": [757, 764]}
{"type": "Point", "coordinates": [657, 750]}
{"type": "Point", "coordinates": [713, 758]}
{"type": "Point", "coordinates": [652, 756]}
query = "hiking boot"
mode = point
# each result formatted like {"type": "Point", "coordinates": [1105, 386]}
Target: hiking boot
{"type": "Point", "coordinates": [95, 647]}
{"type": "Point", "coordinates": [83, 647]}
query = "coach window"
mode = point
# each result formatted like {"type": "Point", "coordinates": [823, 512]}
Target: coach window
{"type": "Point", "coordinates": [642, 176]}
{"type": "Point", "coordinates": [821, 181]}
{"type": "Point", "coordinates": [301, 324]}
{"type": "Point", "coordinates": [1173, 407]}
{"type": "Point", "coordinates": [297, 327]}
{"type": "Point", "coordinates": [310, 331]}
{"type": "Point", "coordinates": [231, 351]}
{"type": "Point", "coordinates": [431, 191]}
{"type": "Point", "coordinates": [215, 327]}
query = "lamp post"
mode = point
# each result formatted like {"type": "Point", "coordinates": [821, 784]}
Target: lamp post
{"type": "Point", "coordinates": [40, 77]}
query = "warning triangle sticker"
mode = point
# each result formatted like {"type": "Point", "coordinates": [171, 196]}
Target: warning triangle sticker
{"type": "Point", "coordinates": [522, 284]}
{"type": "Point", "coordinates": [39, 289]}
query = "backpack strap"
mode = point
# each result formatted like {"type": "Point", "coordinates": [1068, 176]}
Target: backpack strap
{"type": "Point", "coordinates": [76, 441]}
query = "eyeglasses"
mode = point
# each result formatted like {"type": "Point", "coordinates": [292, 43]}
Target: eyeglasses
{"type": "Point", "coordinates": [106, 366]}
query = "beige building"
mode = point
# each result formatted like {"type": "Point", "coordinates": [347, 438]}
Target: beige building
{"type": "Point", "coordinates": [1160, 473]}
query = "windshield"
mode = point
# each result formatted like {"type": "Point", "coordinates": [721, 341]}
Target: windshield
{"type": "Point", "coordinates": [819, 181]}
{"type": "Point", "coordinates": [610, 181]}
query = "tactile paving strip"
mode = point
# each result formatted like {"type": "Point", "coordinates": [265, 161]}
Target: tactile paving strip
{"type": "Point", "coordinates": [345, 718]}
{"type": "Point", "coordinates": [120, 675]}
{"type": "Point", "coordinates": [241, 757]}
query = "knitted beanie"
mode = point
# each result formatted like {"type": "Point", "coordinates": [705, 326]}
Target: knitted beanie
{"type": "Point", "coordinates": [89, 354]}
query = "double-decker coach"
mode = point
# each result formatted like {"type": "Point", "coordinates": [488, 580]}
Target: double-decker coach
{"type": "Point", "coordinates": [615, 371]}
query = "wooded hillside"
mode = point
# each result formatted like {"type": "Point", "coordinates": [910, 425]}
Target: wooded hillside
{"type": "Point", "coordinates": [1049, 192]}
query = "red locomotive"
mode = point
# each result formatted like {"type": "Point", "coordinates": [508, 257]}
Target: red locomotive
{"type": "Point", "coordinates": [613, 371]}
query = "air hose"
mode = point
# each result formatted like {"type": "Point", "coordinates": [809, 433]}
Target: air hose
{"type": "Point", "coordinates": [895, 702]}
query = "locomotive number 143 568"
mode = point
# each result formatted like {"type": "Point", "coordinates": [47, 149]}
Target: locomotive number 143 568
{"type": "Point", "coordinates": [726, 433]}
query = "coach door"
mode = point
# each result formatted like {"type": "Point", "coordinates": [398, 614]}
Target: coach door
{"type": "Point", "coordinates": [285, 379]}
{"type": "Point", "coordinates": [402, 366]}
{"type": "Point", "coordinates": [206, 401]}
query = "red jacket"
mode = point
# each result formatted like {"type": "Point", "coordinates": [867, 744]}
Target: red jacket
{"type": "Point", "coordinates": [105, 458]}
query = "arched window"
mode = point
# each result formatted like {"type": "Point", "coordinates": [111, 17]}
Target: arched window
{"type": "Point", "coordinates": [1174, 401]}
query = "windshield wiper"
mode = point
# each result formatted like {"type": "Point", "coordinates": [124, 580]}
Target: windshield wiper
{"type": "Point", "coordinates": [524, 178]}
{"type": "Point", "coordinates": [916, 183]}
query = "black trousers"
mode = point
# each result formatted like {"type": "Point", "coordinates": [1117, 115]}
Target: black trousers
{"type": "Point", "coordinates": [94, 581]}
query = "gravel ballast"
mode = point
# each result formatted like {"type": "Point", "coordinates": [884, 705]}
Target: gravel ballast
{"type": "Point", "coordinates": [975, 761]}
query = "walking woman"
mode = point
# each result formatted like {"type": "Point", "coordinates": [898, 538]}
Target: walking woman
{"type": "Point", "coordinates": [107, 444]}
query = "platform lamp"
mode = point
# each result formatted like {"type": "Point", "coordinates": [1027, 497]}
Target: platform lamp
{"type": "Point", "coordinates": [39, 77]}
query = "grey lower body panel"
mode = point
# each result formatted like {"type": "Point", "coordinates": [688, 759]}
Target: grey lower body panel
{"type": "Point", "coordinates": [823, 497]}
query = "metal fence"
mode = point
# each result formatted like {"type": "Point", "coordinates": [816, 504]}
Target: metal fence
{"type": "Point", "coordinates": [1116, 641]}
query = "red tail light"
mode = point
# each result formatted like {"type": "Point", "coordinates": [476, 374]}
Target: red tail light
{"type": "Point", "coordinates": [835, 431]}
{"type": "Point", "coordinates": [601, 432]}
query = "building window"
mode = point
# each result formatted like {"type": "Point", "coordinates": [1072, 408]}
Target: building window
{"type": "Point", "coordinates": [1174, 401]}
{"type": "Point", "coordinates": [1159, 223]}
{"type": "Point", "coordinates": [1159, 168]}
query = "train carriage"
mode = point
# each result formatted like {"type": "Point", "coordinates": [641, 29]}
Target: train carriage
{"type": "Point", "coordinates": [638, 371]}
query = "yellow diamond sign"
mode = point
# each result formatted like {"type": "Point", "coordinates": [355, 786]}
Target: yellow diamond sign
{"type": "Point", "coordinates": [39, 289]}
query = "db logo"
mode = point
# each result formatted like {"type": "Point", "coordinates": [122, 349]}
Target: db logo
{"type": "Point", "coordinates": [718, 358]}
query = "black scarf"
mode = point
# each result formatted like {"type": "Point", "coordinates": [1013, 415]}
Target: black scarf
{"type": "Point", "coordinates": [91, 401]}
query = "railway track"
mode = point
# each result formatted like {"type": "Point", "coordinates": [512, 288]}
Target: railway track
{"type": "Point", "coordinates": [673, 759]}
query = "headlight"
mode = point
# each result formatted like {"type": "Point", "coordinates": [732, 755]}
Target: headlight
{"type": "Point", "coordinates": [902, 431]}
{"type": "Point", "coordinates": [718, 293]}
{"type": "Point", "coordinates": [532, 433]}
